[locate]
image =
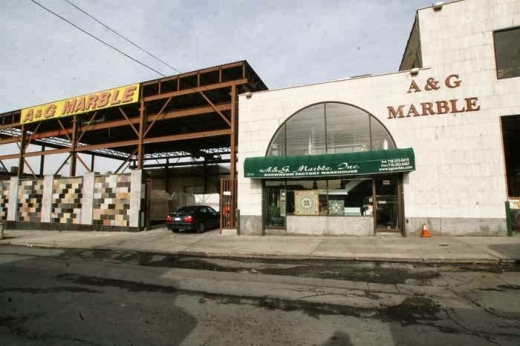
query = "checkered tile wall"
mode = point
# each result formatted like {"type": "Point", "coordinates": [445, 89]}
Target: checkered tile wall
{"type": "Point", "coordinates": [111, 205]}
{"type": "Point", "coordinates": [4, 199]}
{"type": "Point", "coordinates": [66, 200]}
{"type": "Point", "coordinates": [30, 194]}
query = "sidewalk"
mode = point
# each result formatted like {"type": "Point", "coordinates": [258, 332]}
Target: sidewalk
{"type": "Point", "coordinates": [478, 250]}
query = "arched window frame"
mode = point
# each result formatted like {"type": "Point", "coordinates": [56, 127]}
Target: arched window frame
{"type": "Point", "coordinates": [350, 111]}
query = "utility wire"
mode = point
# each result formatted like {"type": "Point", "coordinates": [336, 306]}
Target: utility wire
{"type": "Point", "coordinates": [124, 38]}
{"type": "Point", "coordinates": [98, 39]}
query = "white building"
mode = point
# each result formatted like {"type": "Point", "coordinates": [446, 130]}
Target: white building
{"type": "Point", "coordinates": [437, 143]}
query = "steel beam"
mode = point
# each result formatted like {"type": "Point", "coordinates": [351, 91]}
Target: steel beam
{"type": "Point", "coordinates": [63, 164]}
{"type": "Point", "coordinates": [194, 90]}
{"type": "Point", "coordinates": [121, 123]}
{"type": "Point", "coordinates": [215, 108]}
{"type": "Point", "coordinates": [5, 168]}
{"type": "Point", "coordinates": [83, 163]}
{"type": "Point", "coordinates": [158, 116]}
{"type": "Point", "coordinates": [30, 168]}
{"type": "Point", "coordinates": [125, 161]}
{"type": "Point", "coordinates": [128, 121]}
{"type": "Point", "coordinates": [83, 129]}
{"type": "Point", "coordinates": [192, 135]}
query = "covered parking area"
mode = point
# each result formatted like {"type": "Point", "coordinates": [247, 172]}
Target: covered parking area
{"type": "Point", "coordinates": [186, 120]}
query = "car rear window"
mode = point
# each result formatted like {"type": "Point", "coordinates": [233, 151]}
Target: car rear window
{"type": "Point", "coordinates": [187, 209]}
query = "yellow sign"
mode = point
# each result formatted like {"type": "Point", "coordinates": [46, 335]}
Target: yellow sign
{"type": "Point", "coordinates": [81, 104]}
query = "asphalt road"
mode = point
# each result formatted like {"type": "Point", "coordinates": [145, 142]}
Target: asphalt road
{"type": "Point", "coordinates": [76, 297]}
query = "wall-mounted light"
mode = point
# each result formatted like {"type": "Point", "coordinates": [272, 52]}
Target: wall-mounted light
{"type": "Point", "coordinates": [248, 94]}
{"type": "Point", "coordinates": [414, 71]}
{"type": "Point", "coordinates": [437, 6]}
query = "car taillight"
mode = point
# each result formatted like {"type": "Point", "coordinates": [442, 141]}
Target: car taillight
{"type": "Point", "coordinates": [168, 218]}
{"type": "Point", "coordinates": [188, 218]}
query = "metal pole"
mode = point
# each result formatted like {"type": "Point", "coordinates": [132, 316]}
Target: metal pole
{"type": "Point", "coordinates": [21, 162]}
{"type": "Point", "coordinates": [509, 220]}
{"type": "Point", "coordinates": [140, 147]}
{"type": "Point", "coordinates": [73, 154]}
{"type": "Point", "coordinates": [42, 162]}
{"type": "Point", "coordinates": [233, 158]}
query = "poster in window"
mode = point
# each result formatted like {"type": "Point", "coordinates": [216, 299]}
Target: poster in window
{"type": "Point", "coordinates": [306, 202]}
{"type": "Point", "coordinates": [336, 207]}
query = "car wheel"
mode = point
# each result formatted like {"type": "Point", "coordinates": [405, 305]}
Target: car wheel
{"type": "Point", "coordinates": [174, 230]}
{"type": "Point", "coordinates": [201, 228]}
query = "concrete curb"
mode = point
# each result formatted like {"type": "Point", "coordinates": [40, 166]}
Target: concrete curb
{"type": "Point", "coordinates": [428, 261]}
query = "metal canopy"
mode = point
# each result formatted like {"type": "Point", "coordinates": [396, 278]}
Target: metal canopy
{"type": "Point", "coordinates": [191, 115]}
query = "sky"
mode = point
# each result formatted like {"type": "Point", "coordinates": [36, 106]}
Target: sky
{"type": "Point", "coordinates": [287, 42]}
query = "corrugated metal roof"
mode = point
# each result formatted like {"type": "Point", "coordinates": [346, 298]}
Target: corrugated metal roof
{"type": "Point", "coordinates": [194, 71]}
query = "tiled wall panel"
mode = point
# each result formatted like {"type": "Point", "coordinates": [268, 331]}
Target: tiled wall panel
{"type": "Point", "coordinates": [66, 200]}
{"type": "Point", "coordinates": [4, 199]}
{"type": "Point", "coordinates": [30, 194]}
{"type": "Point", "coordinates": [111, 205]}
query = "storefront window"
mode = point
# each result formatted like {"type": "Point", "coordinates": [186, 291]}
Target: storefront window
{"type": "Point", "coordinates": [277, 147]}
{"type": "Point", "coordinates": [329, 128]}
{"type": "Point", "coordinates": [348, 129]}
{"type": "Point", "coordinates": [325, 128]}
{"type": "Point", "coordinates": [333, 197]}
{"type": "Point", "coordinates": [305, 134]}
{"type": "Point", "coordinates": [380, 137]}
{"type": "Point", "coordinates": [350, 196]}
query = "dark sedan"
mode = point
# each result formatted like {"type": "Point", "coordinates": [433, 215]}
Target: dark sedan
{"type": "Point", "coordinates": [193, 217]}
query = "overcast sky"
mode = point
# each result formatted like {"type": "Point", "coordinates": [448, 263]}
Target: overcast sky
{"type": "Point", "coordinates": [287, 42]}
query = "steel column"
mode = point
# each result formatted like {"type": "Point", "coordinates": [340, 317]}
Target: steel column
{"type": "Point", "coordinates": [92, 163]}
{"type": "Point", "coordinates": [74, 139]}
{"type": "Point", "coordinates": [42, 161]}
{"type": "Point", "coordinates": [233, 157]}
{"type": "Point", "coordinates": [21, 159]}
{"type": "Point", "coordinates": [142, 125]}
{"type": "Point", "coordinates": [167, 176]}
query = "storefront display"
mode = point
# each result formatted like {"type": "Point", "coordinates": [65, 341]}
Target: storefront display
{"type": "Point", "coordinates": [434, 142]}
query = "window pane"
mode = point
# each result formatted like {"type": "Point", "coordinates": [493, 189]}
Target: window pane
{"type": "Point", "coordinates": [277, 147]}
{"type": "Point", "coordinates": [350, 196]}
{"type": "Point", "coordinates": [511, 140]}
{"type": "Point", "coordinates": [306, 132]}
{"type": "Point", "coordinates": [347, 129]}
{"type": "Point", "coordinates": [319, 185]}
{"type": "Point", "coordinates": [380, 137]}
{"type": "Point", "coordinates": [507, 50]}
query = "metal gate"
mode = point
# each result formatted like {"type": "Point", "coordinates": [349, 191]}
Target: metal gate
{"type": "Point", "coordinates": [228, 203]}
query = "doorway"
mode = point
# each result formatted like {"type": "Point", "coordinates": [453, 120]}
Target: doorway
{"type": "Point", "coordinates": [275, 204]}
{"type": "Point", "coordinates": [387, 204]}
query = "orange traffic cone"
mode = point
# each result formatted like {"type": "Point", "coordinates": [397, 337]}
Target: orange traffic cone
{"type": "Point", "coordinates": [425, 233]}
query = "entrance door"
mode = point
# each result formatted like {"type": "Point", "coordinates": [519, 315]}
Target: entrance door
{"type": "Point", "coordinates": [387, 204]}
{"type": "Point", "coordinates": [275, 197]}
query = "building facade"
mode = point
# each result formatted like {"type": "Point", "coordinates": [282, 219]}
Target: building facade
{"type": "Point", "coordinates": [434, 144]}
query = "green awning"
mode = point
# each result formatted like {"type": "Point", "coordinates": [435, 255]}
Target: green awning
{"type": "Point", "coordinates": [327, 165]}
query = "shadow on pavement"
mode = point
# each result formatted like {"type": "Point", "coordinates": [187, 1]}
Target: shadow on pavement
{"type": "Point", "coordinates": [507, 250]}
{"type": "Point", "coordinates": [338, 339]}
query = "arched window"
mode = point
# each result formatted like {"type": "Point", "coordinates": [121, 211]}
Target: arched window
{"type": "Point", "coordinates": [329, 128]}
